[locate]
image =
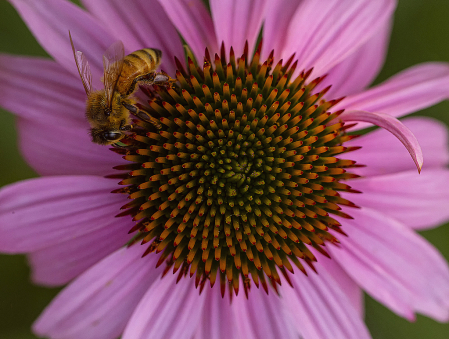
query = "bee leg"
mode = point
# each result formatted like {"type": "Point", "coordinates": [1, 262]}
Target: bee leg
{"type": "Point", "coordinates": [153, 78]}
{"type": "Point", "coordinates": [145, 116]}
{"type": "Point", "coordinates": [126, 128]}
{"type": "Point", "coordinates": [162, 78]}
{"type": "Point", "coordinates": [156, 78]}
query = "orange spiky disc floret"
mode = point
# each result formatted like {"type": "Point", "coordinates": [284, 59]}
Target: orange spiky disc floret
{"type": "Point", "coordinates": [243, 177]}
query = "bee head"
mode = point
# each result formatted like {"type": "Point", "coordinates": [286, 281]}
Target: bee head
{"type": "Point", "coordinates": [104, 136]}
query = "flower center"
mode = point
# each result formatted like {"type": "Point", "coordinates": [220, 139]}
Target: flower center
{"type": "Point", "coordinates": [242, 179]}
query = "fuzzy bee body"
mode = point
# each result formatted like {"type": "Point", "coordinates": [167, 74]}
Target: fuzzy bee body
{"type": "Point", "coordinates": [137, 66]}
{"type": "Point", "coordinates": [108, 110]}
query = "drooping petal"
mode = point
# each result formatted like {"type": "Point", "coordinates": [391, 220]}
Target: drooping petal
{"type": "Point", "coordinates": [59, 263]}
{"type": "Point", "coordinates": [38, 88]}
{"type": "Point", "coordinates": [41, 212]}
{"type": "Point", "coordinates": [320, 309]}
{"type": "Point", "coordinates": [263, 316]}
{"type": "Point", "coordinates": [167, 310]}
{"type": "Point", "coordinates": [418, 201]}
{"type": "Point", "coordinates": [382, 153]}
{"type": "Point", "coordinates": [64, 149]}
{"type": "Point", "coordinates": [50, 22]}
{"type": "Point", "coordinates": [393, 125]}
{"type": "Point", "coordinates": [98, 304]}
{"type": "Point", "coordinates": [140, 24]}
{"type": "Point", "coordinates": [415, 88]}
{"type": "Point", "coordinates": [329, 34]}
{"type": "Point", "coordinates": [237, 21]}
{"type": "Point", "coordinates": [360, 68]}
{"type": "Point", "coordinates": [194, 23]}
{"type": "Point", "coordinates": [394, 264]}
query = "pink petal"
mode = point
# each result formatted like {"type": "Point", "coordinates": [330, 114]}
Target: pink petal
{"type": "Point", "coordinates": [278, 16]}
{"type": "Point", "coordinates": [99, 303]}
{"type": "Point", "coordinates": [393, 125]}
{"type": "Point", "coordinates": [140, 24]}
{"type": "Point", "coordinates": [55, 149]}
{"type": "Point", "coordinates": [353, 292]}
{"type": "Point", "coordinates": [36, 87]}
{"type": "Point", "coordinates": [329, 34]}
{"type": "Point", "coordinates": [259, 316]}
{"type": "Point", "coordinates": [263, 316]}
{"type": "Point", "coordinates": [382, 153]}
{"type": "Point", "coordinates": [217, 320]}
{"type": "Point", "coordinates": [194, 23]}
{"type": "Point", "coordinates": [360, 68]}
{"type": "Point", "coordinates": [59, 263]}
{"type": "Point", "coordinates": [320, 309]}
{"type": "Point", "coordinates": [418, 201]}
{"type": "Point", "coordinates": [167, 310]}
{"type": "Point", "coordinates": [411, 90]}
{"type": "Point", "coordinates": [50, 22]}
{"type": "Point", "coordinates": [394, 265]}
{"type": "Point", "coordinates": [351, 75]}
{"type": "Point", "coordinates": [237, 22]}
{"type": "Point", "coordinates": [42, 212]}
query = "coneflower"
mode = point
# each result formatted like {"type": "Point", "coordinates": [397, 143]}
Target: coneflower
{"type": "Point", "coordinates": [243, 175]}
{"type": "Point", "coordinates": [248, 184]}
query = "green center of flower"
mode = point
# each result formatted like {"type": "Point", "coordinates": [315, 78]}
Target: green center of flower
{"type": "Point", "coordinates": [243, 177]}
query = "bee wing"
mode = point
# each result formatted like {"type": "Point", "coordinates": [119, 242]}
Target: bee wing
{"type": "Point", "coordinates": [83, 68]}
{"type": "Point", "coordinates": [112, 63]}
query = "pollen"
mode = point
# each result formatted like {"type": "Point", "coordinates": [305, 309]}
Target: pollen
{"type": "Point", "coordinates": [242, 178]}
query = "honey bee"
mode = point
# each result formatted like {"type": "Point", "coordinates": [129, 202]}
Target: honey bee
{"type": "Point", "coordinates": [108, 110]}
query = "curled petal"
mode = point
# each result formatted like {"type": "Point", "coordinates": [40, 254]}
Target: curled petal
{"type": "Point", "coordinates": [382, 153]}
{"type": "Point", "coordinates": [392, 125]}
{"type": "Point", "coordinates": [415, 88]}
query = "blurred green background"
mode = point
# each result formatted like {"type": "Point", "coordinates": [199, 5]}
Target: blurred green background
{"type": "Point", "coordinates": [421, 33]}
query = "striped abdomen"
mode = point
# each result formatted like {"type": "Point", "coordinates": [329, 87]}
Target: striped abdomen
{"type": "Point", "coordinates": [135, 65]}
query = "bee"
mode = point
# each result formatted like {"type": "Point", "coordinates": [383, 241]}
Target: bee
{"type": "Point", "coordinates": [108, 110]}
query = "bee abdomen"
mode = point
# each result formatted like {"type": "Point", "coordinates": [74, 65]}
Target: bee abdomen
{"type": "Point", "coordinates": [151, 56]}
{"type": "Point", "coordinates": [136, 64]}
